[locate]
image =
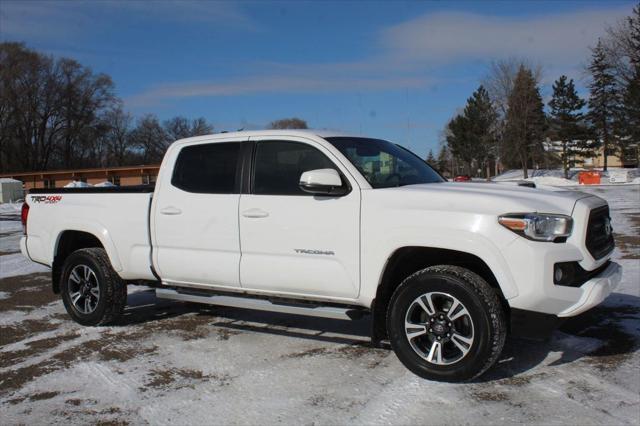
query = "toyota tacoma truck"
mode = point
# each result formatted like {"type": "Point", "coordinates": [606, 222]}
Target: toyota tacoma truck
{"type": "Point", "coordinates": [334, 226]}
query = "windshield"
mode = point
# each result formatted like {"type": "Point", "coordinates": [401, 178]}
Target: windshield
{"type": "Point", "coordinates": [384, 164]}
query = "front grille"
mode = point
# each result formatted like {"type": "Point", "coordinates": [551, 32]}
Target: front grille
{"type": "Point", "coordinates": [599, 240]}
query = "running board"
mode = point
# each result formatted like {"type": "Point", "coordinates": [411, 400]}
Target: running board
{"type": "Point", "coordinates": [262, 305]}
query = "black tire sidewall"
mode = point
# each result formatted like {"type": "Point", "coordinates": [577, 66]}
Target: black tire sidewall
{"type": "Point", "coordinates": [84, 258]}
{"type": "Point", "coordinates": [427, 282]}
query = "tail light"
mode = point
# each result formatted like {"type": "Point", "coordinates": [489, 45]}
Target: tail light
{"type": "Point", "coordinates": [23, 217]}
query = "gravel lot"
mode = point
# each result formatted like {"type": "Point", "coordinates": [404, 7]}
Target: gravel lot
{"type": "Point", "coordinates": [172, 363]}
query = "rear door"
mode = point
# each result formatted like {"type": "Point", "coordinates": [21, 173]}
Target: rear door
{"type": "Point", "coordinates": [294, 242]}
{"type": "Point", "coordinates": [196, 216]}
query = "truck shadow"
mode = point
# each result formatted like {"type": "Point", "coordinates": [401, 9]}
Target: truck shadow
{"type": "Point", "coordinates": [603, 337]}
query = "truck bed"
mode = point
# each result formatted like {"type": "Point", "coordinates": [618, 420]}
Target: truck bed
{"type": "Point", "coordinates": [117, 216]}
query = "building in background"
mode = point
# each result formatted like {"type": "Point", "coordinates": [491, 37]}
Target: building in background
{"type": "Point", "coordinates": [10, 190]}
{"type": "Point", "coordinates": [122, 176]}
{"type": "Point", "coordinates": [629, 158]}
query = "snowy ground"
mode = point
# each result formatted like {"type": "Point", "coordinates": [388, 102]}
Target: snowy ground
{"type": "Point", "coordinates": [171, 363]}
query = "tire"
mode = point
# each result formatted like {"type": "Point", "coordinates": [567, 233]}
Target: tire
{"type": "Point", "coordinates": [469, 337]}
{"type": "Point", "coordinates": [87, 275]}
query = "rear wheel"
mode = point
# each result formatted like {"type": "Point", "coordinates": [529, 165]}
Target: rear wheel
{"type": "Point", "coordinates": [446, 323]}
{"type": "Point", "coordinates": [92, 292]}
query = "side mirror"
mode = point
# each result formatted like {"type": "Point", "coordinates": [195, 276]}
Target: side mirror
{"type": "Point", "coordinates": [322, 182]}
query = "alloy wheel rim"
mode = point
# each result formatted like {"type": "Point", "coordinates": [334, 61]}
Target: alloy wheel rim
{"type": "Point", "coordinates": [83, 288]}
{"type": "Point", "coordinates": [439, 328]}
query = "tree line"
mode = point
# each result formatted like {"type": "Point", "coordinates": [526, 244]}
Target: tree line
{"type": "Point", "coordinates": [505, 119]}
{"type": "Point", "coordinates": [56, 113]}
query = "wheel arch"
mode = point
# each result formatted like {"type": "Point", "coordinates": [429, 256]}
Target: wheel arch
{"type": "Point", "coordinates": [67, 242]}
{"type": "Point", "coordinates": [404, 261]}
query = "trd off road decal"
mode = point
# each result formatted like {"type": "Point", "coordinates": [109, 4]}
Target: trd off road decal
{"type": "Point", "coordinates": [46, 199]}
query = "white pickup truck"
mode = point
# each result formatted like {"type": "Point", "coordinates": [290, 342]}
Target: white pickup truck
{"type": "Point", "coordinates": [334, 226]}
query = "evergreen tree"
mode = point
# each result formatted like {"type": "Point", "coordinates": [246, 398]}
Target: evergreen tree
{"type": "Point", "coordinates": [431, 160]}
{"type": "Point", "coordinates": [567, 121]}
{"type": "Point", "coordinates": [634, 25]}
{"type": "Point", "coordinates": [630, 122]}
{"type": "Point", "coordinates": [525, 120]}
{"type": "Point", "coordinates": [472, 134]}
{"type": "Point", "coordinates": [460, 141]}
{"type": "Point", "coordinates": [631, 96]}
{"type": "Point", "coordinates": [482, 118]}
{"type": "Point", "coordinates": [604, 99]}
{"type": "Point", "coordinates": [443, 160]}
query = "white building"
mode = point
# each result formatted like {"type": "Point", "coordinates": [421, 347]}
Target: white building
{"type": "Point", "coordinates": [10, 190]}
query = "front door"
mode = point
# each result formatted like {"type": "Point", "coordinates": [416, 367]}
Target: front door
{"type": "Point", "coordinates": [294, 242]}
{"type": "Point", "coordinates": [196, 216]}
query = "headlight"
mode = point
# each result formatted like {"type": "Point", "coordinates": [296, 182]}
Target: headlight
{"type": "Point", "coordinates": [538, 226]}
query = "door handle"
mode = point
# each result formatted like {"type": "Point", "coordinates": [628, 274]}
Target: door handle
{"type": "Point", "coordinates": [255, 213]}
{"type": "Point", "coordinates": [171, 211]}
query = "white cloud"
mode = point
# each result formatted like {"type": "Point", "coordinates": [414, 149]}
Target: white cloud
{"type": "Point", "coordinates": [417, 48]}
{"type": "Point", "coordinates": [66, 20]}
{"type": "Point", "coordinates": [218, 12]}
{"type": "Point", "coordinates": [271, 84]}
{"type": "Point", "coordinates": [444, 37]}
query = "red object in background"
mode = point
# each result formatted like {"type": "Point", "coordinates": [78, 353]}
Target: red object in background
{"type": "Point", "coordinates": [462, 178]}
{"type": "Point", "coordinates": [589, 178]}
{"type": "Point", "coordinates": [24, 214]}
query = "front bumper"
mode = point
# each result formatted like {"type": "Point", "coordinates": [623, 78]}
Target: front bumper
{"type": "Point", "coordinates": [594, 291]}
{"type": "Point", "coordinates": [539, 325]}
{"type": "Point", "coordinates": [532, 268]}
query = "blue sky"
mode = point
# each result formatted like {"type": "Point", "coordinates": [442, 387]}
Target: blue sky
{"type": "Point", "coordinates": [395, 70]}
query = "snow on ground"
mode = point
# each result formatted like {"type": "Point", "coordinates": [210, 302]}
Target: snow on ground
{"type": "Point", "coordinates": [551, 181]}
{"type": "Point", "coordinates": [556, 176]}
{"type": "Point", "coordinates": [172, 363]}
{"type": "Point", "coordinates": [10, 208]}
{"type": "Point", "coordinates": [78, 184]}
{"type": "Point", "coordinates": [12, 265]}
{"type": "Point", "coordinates": [518, 175]}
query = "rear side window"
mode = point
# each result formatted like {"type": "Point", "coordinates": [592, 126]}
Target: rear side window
{"type": "Point", "coordinates": [207, 169]}
{"type": "Point", "coordinates": [279, 164]}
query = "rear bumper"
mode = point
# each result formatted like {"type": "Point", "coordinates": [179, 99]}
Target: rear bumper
{"type": "Point", "coordinates": [23, 247]}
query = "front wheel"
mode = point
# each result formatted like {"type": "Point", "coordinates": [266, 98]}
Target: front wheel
{"type": "Point", "coordinates": [446, 323]}
{"type": "Point", "coordinates": [92, 292]}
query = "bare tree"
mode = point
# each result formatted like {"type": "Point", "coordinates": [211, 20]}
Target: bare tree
{"type": "Point", "coordinates": [181, 127]}
{"type": "Point", "coordinates": [48, 109]}
{"type": "Point", "coordinates": [621, 47]}
{"type": "Point", "coordinates": [150, 139]}
{"type": "Point", "coordinates": [499, 82]}
{"type": "Point", "coordinates": [30, 101]}
{"type": "Point", "coordinates": [83, 95]}
{"type": "Point", "coordinates": [117, 136]}
{"type": "Point", "coordinates": [289, 123]}
{"type": "Point", "coordinates": [501, 78]}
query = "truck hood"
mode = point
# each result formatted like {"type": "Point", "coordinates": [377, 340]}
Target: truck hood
{"type": "Point", "coordinates": [491, 198]}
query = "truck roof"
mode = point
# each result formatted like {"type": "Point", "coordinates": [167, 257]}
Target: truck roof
{"type": "Point", "coordinates": [258, 133]}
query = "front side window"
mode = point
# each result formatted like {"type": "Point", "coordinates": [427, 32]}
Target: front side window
{"type": "Point", "coordinates": [384, 164]}
{"type": "Point", "coordinates": [279, 165]}
{"type": "Point", "coordinates": [207, 168]}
